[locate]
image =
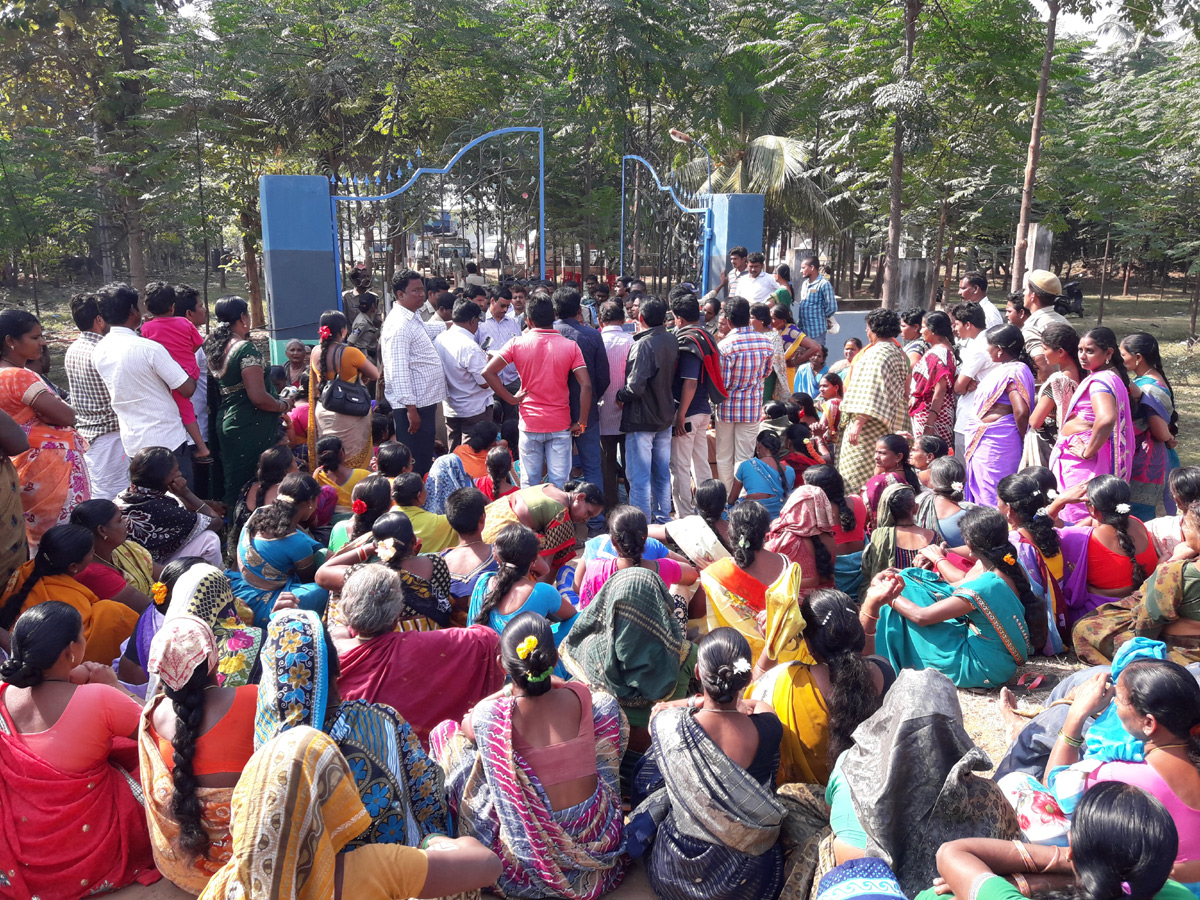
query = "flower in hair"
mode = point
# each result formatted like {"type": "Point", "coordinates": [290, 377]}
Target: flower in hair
{"type": "Point", "coordinates": [324, 333]}
{"type": "Point", "coordinates": [744, 542]}
{"type": "Point", "coordinates": [1052, 494]}
{"type": "Point", "coordinates": [741, 665]}
{"type": "Point", "coordinates": [359, 507]}
{"type": "Point", "coordinates": [1125, 889]}
{"type": "Point", "coordinates": [1010, 559]}
{"type": "Point", "coordinates": [956, 485]}
{"type": "Point", "coordinates": [386, 549]}
{"type": "Point", "coordinates": [158, 591]}
{"type": "Point", "coordinates": [1042, 511]}
{"type": "Point", "coordinates": [526, 647]}
{"type": "Point", "coordinates": [1123, 509]}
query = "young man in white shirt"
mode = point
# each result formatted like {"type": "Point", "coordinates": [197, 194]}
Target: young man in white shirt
{"type": "Point", "coordinates": [969, 326]}
{"type": "Point", "coordinates": [756, 285]}
{"type": "Point", "coordinates": [496, 329]}
{"type": "Point", "coordinates": [140, 376]}
{"type": "Point", "coordinates": [973, 289]}
{"type": "Point", "coordinates": [468, 397]}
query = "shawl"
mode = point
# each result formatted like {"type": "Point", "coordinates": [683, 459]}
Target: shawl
{"type": "Point", "coordinates": [877, 385]}
{"type": "Point", "coordinates": [294, 809]}
{"type": "Point", "coordinates": [1162, 596]}
{"type": "Point", "coordinates": [709, 797]}
{"type": "Point", "coordinates": [203, 591]}
{"type": "Point", "coordinates": [736, 599]}
{"type": "Point", "coordinates": [807, 514]}
{"type": "Point", "coordinates": [44, 851]}
{"type": "Point", "coordinates": [909, 775]}
{"type": "Point", "coordinates": [1150, 461]}
{"type": "Point", "coordinates": [880, 552]}
{"type": "Point", "coordinates": [578, 853]}
{"type": "Point", "coordinates": [157, 522]}
{"type": "Point", "coordinates": [628, 643]}
{"type": "Point", "coordinates": [295, 682]}
{"type": "Point", "coordinates": [446, 475]}
{"type": "Point", "coordinates": [182, 645]}
{"type": "Point", "coordinates": [135, 564]}
{"type": "Point", "coordinates": [699, 343]}
{"type": "Point", "coordinates": [475, 462]}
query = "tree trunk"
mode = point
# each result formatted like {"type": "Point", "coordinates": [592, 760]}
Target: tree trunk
{"type": "Point", "coordinates": [250, 258]}
{"type": "Point", "coordinates": [1035, 151]}
{"type": "Point", "coordinates": [137, 246]}
{"type": "Point", "coordinates": [891, 278]}
{"type": "Point", "coordinates": [1104, 279]}
{"type": "Point", "coordinates": [1128, 272]}
{"type": "Point", "coordinates": [937, 257]}
{"type": "Point", "coordinates": [863, 271]}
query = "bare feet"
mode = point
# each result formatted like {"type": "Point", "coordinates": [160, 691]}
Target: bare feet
{"type": "Point", "coordinates": [1011, 714]}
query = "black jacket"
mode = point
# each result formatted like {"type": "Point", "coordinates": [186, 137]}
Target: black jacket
{"type": "Point", "coordinates": [648, 402]}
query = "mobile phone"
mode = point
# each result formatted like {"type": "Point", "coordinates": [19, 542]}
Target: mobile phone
{"type": "Point", "coordinates": [687, 426]}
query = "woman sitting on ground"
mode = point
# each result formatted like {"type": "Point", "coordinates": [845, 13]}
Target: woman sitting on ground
{"type": "Point", "coordinates": [940, 508]}
{"type": "Point", "coordinates": [66, 551]}
{"type": "Point", "coordinates": [974, 627]}
{"type": "Point", "coordinates": [804, 534]}
{"type": "Point", "coordinates": [763, 477]}
{"type": "Point", "coordinates": [533, 773]}
{"type": "Point", "coordinates": [295, 810]}
{"type": "Point", "coordinates": [897, 539]}
{"type": "Point", "coordinates": [426, 676]}
{"type": "Point", "coordinates": [892, 466]}
{"type": "Point", "coordinates": [714, 759]}
{"type": "Point", "coordinates": [1121, 846]}
{"type": "Point", "coordinates": [925, 450]}
{"type": "Point", "coordinates": [168, 526]}
{"type": "Point", "coordinates": [750, 590]}
{"type": "Point", "coordinates": [1183, 485]}
{"type": "Point", "coordinates": [498, 482]}
{"type": "Point", "coordinates": [121, 569]}
{"type": "Point", "coordinates": [498, 598]}
{"type": "Point", "coordinates": [332, 470]}
{"type": "Point", "coordinates": [803, 450]}
{"type": "Point", "coordinates": [628, 530]}
{"type": "Point", "coordinates": [372, 498]}
{"type": "Point", "coordinates": [550, 512]}
{"type": "Point", "coordinates": [821, 702]}
{"type": "Point", "coordinates": [274, 465]}
{"type": "Point", "coordinates": [466, 511]}
{"type": "Point", "coordinates": [849, 527]}
{"type": "Point", "coordinates": [194, 747]}
{"type": "Point", "coordinates": [704, 537]}
{"type": "Point", "coordinates": [59, 723]}
{"type": "Point", "coordinates": [276, 560]}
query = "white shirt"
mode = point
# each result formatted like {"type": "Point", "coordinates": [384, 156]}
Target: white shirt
{"type": "Point", "coordinates": [496, 335]}
{"type": "Point", "coordinates": [140, 375]}
{"type": "Point", "coordinates": [991, 315]}
{"type": "Point", "coordinates": [975, 364]}
{"type": "Point", "coordinates": [412, 369]}
{"type": "Point", "coordinates": [463, 362]}
{"type": "Point", "coordinates": [617, 343]}
{"type": "Point", "coordinates": [200, 397]}
{"type": "Point", "coordinates": [754, 290]}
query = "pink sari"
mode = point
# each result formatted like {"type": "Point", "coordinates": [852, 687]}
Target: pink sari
{"type": "Point", "coordinates": [1115, 457]}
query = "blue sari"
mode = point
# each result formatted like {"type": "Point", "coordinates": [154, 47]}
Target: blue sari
{"type": "Point", "coordinates": [759, 478]}
{"type": "Point", "coordinates": [981, 649]}
{"type": "Point", "coordinates": [266, 568]}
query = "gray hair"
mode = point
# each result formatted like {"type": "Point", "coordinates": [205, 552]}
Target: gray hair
{"type": "Point", "coordinates": [371, 599]}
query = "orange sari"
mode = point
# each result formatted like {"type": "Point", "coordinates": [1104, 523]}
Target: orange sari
{"type": "Point", "coordinates": [52, 472]}
{"type": "Point", "coordinates": [106, 623]}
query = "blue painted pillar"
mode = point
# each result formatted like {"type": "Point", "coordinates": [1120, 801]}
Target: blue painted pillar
{"type": "Point", "coordinates": [737, 221]}
{"type": "Point", "coordinates": [299, 256]}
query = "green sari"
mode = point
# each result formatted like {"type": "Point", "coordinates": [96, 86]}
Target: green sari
{"type": "Point", "coordinates": [981, 649]}
{"type": "Point", "coordinates": [244, 430]}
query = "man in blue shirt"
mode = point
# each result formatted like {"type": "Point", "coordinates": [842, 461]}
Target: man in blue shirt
{"type": "Point", "coordinates": [816, 302]}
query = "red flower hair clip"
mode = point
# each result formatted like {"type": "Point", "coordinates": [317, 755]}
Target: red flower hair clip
{"type": "Point", "coordinates": [324, 333]}
{"type": "Point", "coordinates": [359, 507]}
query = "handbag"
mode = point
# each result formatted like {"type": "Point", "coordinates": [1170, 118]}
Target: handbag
{"type": "Point", "coordinates": [346, 398]}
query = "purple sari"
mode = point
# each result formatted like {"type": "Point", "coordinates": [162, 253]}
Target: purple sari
{"type": "Point", "coordinates": [994, 450]}
{"type": "Point", "coordinates": [1114, 458]}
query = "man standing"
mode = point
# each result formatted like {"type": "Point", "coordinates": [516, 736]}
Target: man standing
{"type": "Point", "coordinates": [413, 381]}
{"type": "Point", "coordinates": [545, 360]}
{"type": "Point", "coordinates": [967, 320]}
{"type": "Point", "coordinates": [443, 309]}
{"type": "Point", "coordinates": [649, 412]}
{"type": "Point", "coordinates": [973, 289]}
{"type": "Point", "coordinates": [567, 308]}
{"type": "Point", "coordinates": [698, 381]}
{"type": "Point", "coordinates": [468, 397]}
{"type": "Point", "coordinates": [478, 295]}
{"type": "Point", "coordinates": [816, 303]}
{"type": "Point", "coordinates": [140, 375]}
{"type": "Point", "coordinates": [497, 329]}
{"type": "Point", "coordinates": [1042, 288]}
{"type": "Point", "coordinates": [617, 343]}
{"type": "Point", "coordinates": [756, 285]}
{"type": "Point", "coordinates": [520, 296]}
{"type": "Point", "coordinates": [95, 418]}
{"type": "Point", "coordinates": [746, 359]}
{"type": "Point", "coordinates": [738, 269]}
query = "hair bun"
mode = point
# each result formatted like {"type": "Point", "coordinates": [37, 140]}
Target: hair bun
{"type": "Point", "coordinates": [19, 673]}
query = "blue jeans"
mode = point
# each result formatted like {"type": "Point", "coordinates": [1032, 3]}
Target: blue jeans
{"type": "Point", "coordinates": [545, 457]}
{"type": "Point", "coordinates": [591, 462]}
{"type": "Point", "coordinates": [648, 466]}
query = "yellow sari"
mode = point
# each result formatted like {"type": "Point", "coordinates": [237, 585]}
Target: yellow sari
{"type": "Point", "coordinates": [804, 750]}
{"type": "Point", "coordinates": [345, 492]}
{"type": "Point", "coordinates": [735, 600]}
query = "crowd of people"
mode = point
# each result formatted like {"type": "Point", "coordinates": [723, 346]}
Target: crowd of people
{"type": "Point", "coordinates": [515, 585]}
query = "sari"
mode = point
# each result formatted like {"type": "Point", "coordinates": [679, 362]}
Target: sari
{"type": "Point", "coordinates": [157, 522]}
{"type": "Point", "coordinates": [757, 477]}
{"type": "Point", "coordinates": [243, 430]}
{"type": "Point", "coordinates": [1046, 577]}
{"type": "Point", "coordinates": [577, 853]}
{"type": "Point", "coordinates": [293, 810]}
{"type": "Point", "coordinates": [735, 599]}
{"type": "Point", "coordinates": [927, 515]}
{"type": "Point", "coordinates": [353, 431]}
{"type": "Point", "coordinates": [14, 550]}
{"type": "Point", "coordinates": [106, 623]}
{"type": "Point", "coordinates": [446, 475]}
{"type": "Point", "coordinates": [881, 551]}
{"type": "Point", "coordinates": [792, 691]}
{"type": "Point", "coordinates": [1114, 458]}
{"type": "Point", "coordinates": [807, 515]}
{"type": "Point", "coordinates": [400, 786]}
{"type": "Point", "coordinates": [936, 365]}
{"type": "Point", "coordinates": [994, 445]}
{"type": "Point", "coordinates": [1150, 457]}
{"type": "Point", "coordinates": [709, 819]}
{"type": "Point", "coordinates": [551, 522]}
{"type": "Point", "coordinates": [1060, 389]}
{"type": "Point", "coordinates": [1170, 594]}
{"type": "Point", "coordinates": [981, 649]}
{"type": "Point", "coordinates": [52, 474]}
{"type": "Point", "coordinates": [628, 643]}
{"type": "Point", "coordinates": [266, 567]}
{"type": "Point", "coordinates": [44, 849]}
{"type": "Point", "coordinates": [876, 387]}
{"type": "Point", "coordinates": [791, 336]}
{"type": "Point", "coordinates": [696, 540]}
{"type": "Point", "coordinates": [345, 491]}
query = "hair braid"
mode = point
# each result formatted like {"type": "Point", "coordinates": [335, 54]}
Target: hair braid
{"type": "Point", "coordinates": [188, 702]}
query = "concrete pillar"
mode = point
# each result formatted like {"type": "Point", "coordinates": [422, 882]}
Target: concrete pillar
{"type": "Point", "coordinates": [737, 222]}
{"type": "Point", "coordinates": [1037, 253]}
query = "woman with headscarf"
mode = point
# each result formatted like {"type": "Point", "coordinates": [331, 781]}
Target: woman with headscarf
{"type": "Point", "coordinates": [803, 533]}
{"type": "Point", "coordinates": [294, 813]}
{"type": "Point", "coordinates": [897, 539]}
{"type": "Point", "coordinates": [400, 785]}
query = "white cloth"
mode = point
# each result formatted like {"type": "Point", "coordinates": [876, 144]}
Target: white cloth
{"type": "Point", "coordinates": [495, 335]}
{"type": "Point", "coordinates": [975, 363]}
{"type": "Point", "coordinates": [991, 315]}
{"type": "Point", "coordinates": [754, 290]}
{"type": "Point", "coordinates": [206, 544]}
{"type": "Point", "coordinates": [617, 343]}
{"type": "Point", "coordinates": [412, 369]}
{"type": "Point", "coordinates": [200, 397]}
{"type": "Point", "coordinates": [463, 362]}
{"type": "Point", "coordinates": [107, 465]}
{"type": "Point", "coordinates": [140, 376]}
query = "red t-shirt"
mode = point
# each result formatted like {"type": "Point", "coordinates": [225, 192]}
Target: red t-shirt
{"type": "Point", "coordinates": [544, 360]}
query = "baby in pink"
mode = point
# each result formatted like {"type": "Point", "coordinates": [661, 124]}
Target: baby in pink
{"type": "Point", "coordinates": [182, 339]}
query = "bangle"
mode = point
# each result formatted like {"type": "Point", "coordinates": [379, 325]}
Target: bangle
{"type": "Point", "coordinates": [429, 838]}
{"type": "Point", "coordinates": [363, 555]}
{"type": "Point", "coordinates": [1025, 857]}
{"type": "Point", "coordinates": [1022, 884]}
{"type": "Point", "coordinates": [868, 633]}
{"type": "Point", "coordinates": [871, 617]}
{"type": "Point", "coordinates": [1071, 742]}
{"type": "Point", "coordinates": [1053, 862]}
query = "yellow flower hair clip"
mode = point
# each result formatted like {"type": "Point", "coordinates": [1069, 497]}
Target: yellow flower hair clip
{"type": "Point", "coordinates": [158, 591]}
{"type": "Point", "coordinates": [526, 647]}
{"type": "Point", "coordinates": [1010, 559]}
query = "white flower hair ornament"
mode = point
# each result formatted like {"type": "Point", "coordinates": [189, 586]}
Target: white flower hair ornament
{"type": "Point", "coordinates": [386, 549]}
{"type": "Point", "coordinates": [1052, 494]}
{"type": "Point", "coordinates": [1123, 509]}
{"type": "Point", "coordinates": [741, 665]}
{"type": "Point", "coordinates": [956, 485]}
